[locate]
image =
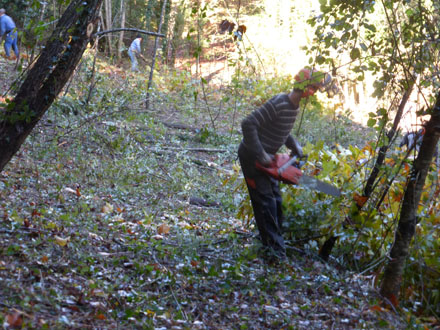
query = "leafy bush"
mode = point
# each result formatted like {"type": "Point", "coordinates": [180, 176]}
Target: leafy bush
{"type": "Point", "coordinates": [364, 229]}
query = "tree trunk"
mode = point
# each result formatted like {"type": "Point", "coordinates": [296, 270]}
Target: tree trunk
{"type": "Point", "coordinates": [392, 279]}
{"type": "Point", "coordinates": [176, 39]}
{"type": "Point", "coordinates": [121, 34]}
{"type": "Point", "coordinates": [47, 77]}
{"type": "Point", "coordinates": [153, 62]}
{"type": "Point", "coordinates": [390, 135]}
{"type": "Point", "coordinates": [109, 25]}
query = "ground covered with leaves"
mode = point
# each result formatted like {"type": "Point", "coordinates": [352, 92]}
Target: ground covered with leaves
{"type": "Point", "coordinates": [113, 216]}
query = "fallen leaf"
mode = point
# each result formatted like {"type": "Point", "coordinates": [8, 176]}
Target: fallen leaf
{"type": "Point", "coordinates": [107, 208]}
{"type": "Point", "coordinates": [97, 304]}
{"type": "Point", "coordinates": [15, 320]}
{"type": "Point", "coordinates": [70, 190]}
{"type": "Point", "coordinates": [271, 309]}
{"type": "Point", "coordinates": [26, 223]}
{"type": "Point", "coordinates": [150, 313]}
{"type": "Point", "coordinates": [61, 241]}
{"type": "Point", "coordinates": [377, 308]}
{"type": "Point", "coordinates": [35, 213]}
{"type": "Point", "coordinates": [163, 229]}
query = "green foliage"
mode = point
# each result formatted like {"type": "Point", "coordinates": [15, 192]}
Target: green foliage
{"type": "Point", "coordinates": [364, 237]}
{"type": "Point", "coordinates": [366, 30]}
{"type": "Point", "coordinates": [18, 9]}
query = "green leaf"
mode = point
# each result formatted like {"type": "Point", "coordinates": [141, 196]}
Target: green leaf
{"type": "Point", "coordinates": [371, 122]}
{"type": "Point", "coordinates": [355, 53]}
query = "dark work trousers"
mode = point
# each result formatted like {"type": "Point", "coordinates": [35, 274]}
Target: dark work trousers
{"type": "Point", "coordinates": [266, 202]}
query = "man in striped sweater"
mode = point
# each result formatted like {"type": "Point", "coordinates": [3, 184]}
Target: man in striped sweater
{"type": "Point", "coordinates": [265, 131]}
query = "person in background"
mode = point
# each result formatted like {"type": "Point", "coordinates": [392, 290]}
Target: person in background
{"type": "Point", "coordinates": [8, 28]}
{"type": "Point", "coordinates": [265, 131]}
{"type": "Point", "coordinates": [133, 51]}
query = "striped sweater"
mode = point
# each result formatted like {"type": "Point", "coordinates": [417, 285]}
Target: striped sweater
{"type": "Point", "coordinates": [268, 127]}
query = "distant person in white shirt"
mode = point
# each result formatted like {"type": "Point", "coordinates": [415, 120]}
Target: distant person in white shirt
{"type": "Point", "coordinates": [135, 48]}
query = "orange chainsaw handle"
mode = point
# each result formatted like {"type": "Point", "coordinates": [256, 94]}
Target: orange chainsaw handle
{"type": "Point", "coordinates": [282, 169]}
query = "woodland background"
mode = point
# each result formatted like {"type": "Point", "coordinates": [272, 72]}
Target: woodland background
{"type": "Point", "coordinates": [122, 201]}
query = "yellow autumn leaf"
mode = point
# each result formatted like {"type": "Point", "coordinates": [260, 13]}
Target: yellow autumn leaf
{"type": "Point", "coordinates": [150, 313]}
{"type": "Point", "coordinates": [107, 208]}
{"type": "Point", "coordinates": [163, 229]}
{"type": "Point", "coordinates": [62, 241]}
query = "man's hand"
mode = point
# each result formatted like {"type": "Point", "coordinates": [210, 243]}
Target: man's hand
{"type": "Point", "coordinates": [264, 159]}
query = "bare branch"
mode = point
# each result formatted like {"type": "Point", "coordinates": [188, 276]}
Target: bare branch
{"type": "Point", "coordinates": [131, 29]}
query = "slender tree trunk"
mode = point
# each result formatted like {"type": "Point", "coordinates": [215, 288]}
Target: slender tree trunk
{"type": "Point", "coordinates": [121, 35]}
{"type": "Point", "coordinates": [153, 62]}
{"type": "Point", "coordinates": [108, 23]}
{"type": "Point", "coordinates": [392, 279]}
{"type": "Point", "coordinates": [390, 135]}
{"type": "Point", "coordinates": [47, 77]}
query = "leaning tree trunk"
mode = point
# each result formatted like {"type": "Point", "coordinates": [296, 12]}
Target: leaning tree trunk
{"type": "Point", "coordinates": [48, 76]}
{"type": "Point", "coordinates": [328, 245]}
{"type": "Point", "coordinates": [390, 135]}
{"type": "Point", "coordinates": [392, 279]}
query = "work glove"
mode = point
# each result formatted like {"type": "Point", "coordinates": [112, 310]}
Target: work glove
{"type": "Point", "coordinates": [264, 159]}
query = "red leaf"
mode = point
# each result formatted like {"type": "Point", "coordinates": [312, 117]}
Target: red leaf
{"type": "Point", "coordinates": [394, 300]}
{"type": "Point", "coordinates": [377, 308]}
{"type": "Point", "coordinates": [27, 223]}
{"type": "Point", "coordinates": [35, 213]}
{"type": "Point", "coordinates": [100, 316]}
{"type": "Point", "coordinates": [360, 200]}
{"type": "Point", "coordinates": [15, 320]}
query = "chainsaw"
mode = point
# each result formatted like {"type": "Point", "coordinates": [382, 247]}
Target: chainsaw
{"type": "Point", "coordinates": [287, 169]}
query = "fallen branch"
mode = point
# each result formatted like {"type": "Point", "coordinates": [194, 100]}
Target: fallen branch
{"type": "Point", "coordinates": [130, 29]}
{"type": "Point", "coordinates": [194, 149]}
{"type": "Point", "coordinates": [178, 126]}
{"type": "Point", "coordinates": [203, 202]}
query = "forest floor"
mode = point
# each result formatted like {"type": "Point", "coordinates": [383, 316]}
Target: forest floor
{"type": "Point", "coordinates": [126, 218]}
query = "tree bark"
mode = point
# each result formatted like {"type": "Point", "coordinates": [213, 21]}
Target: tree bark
{"type": "Point", "coordinates": [121, 34]}
{"type": "Point", "coordinates": [153, 62]}
{"type": "Point", "coordinates": [392, 279]}
{"type": "Point", "coordinates": [390, 135]}
{"type": "Point", "coordinates": [47, 77]}
{"type": "Point", "coordinates": [109, 25]}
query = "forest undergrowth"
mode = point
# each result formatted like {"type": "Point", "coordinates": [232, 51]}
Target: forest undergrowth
{"type": "Point", "coordinates": [118, 217]}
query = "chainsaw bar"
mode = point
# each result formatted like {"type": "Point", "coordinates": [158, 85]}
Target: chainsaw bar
{"type": "Point", "coordinates": [315, 184]}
